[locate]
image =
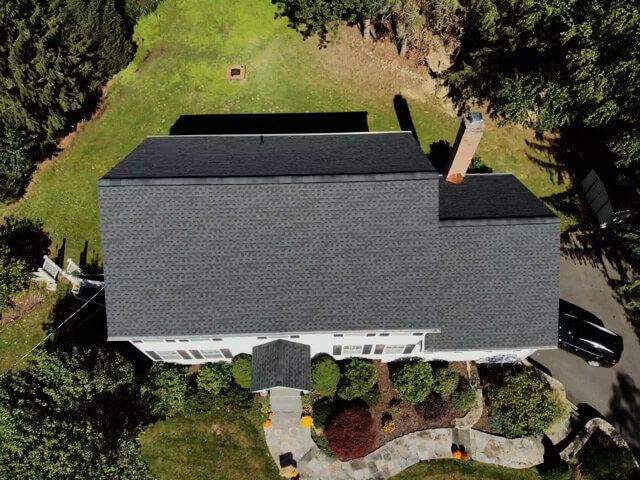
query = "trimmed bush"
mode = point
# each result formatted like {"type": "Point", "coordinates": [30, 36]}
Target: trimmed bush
{"type": "Point", "coordinates": [214, 377]}
{"type": "Point", "coordinates": [322, 411]}
{"type": "Point", "coordinates": [413, 381]}
{"type": "Point", "coordinates": [325, 375]}
{"type": "Point", "coordinates": [241, 368]}
{"type": "Point", "coordinates": [433, 408]}
{"type": "Point", "coordinates": [445, 381]}
{"type": "Point", "coordinates": [164, 389]}
{"type": "Point", "coordinates": [351, 433]}
{"type": "Point", "coordinates": [463, 399]}
{"type": "Point", "coordinates": [372, 397]}
{"type": "Point", "coordinates": [198, 401]}
{"type": "Point", "coordinates": [360, 376]}
{"type": "Point", "coordinates": [524, 404]}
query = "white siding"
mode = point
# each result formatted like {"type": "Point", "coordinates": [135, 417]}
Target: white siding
{"type": "Point", "coordinates": [392, 345]}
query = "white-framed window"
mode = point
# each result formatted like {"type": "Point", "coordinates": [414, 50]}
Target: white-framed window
{"type": "Point", "coordinates": [213, 354]}
{"type": "Point", "coordinates": [153, 356]}
{"type": "Point", "coordinates": [352, 349]}
{"type": "Point", "coordinates": [392, 349]}
{"type": "Point", "coordinates": [169, 356]}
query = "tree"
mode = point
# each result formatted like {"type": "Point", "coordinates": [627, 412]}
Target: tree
{"type": "Point", "coordinates": [311, 17]}
{"type": "Point", "coordinates": [325, 375]}
{"type": "Point", "coordinates": [26, 240]}
{"type": "Point", "coordinates": [71, 414]}
{"type": "Point", "coordinates": [17, 153]}
{"type": "Point", "coordinates": [359, 378]}
{"type": "Point", "coordinates": [351, 433]}
{"type": "Point", "coordinates": [56, 56]}
{"type": "Point", "coordinates": [241, 369]}
{"type": "Point", "coordinates": [550, 65]}
{"type": "Point", "coordinates": [523, 405]}
{"type": "Point", "coordinates": [463, 399]}
{"type": "Point", "coordinates": [413, 381]}
{"type": "Point", "coordinates": [445, 381]}
{"type": "Point", "coordinates": [164, 389]}
{"type": "Point", "coordinates": [214, 377]}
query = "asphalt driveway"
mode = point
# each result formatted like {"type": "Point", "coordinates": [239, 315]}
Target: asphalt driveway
{"type": "Point", "coordinates": [613, 392]}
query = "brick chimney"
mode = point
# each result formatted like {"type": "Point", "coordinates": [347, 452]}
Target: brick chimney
{"type": "Point", "coordinates": [469, 135]}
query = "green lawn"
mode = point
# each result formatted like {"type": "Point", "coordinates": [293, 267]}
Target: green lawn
{"type": "Point", "coordinates": [219, 445]}
{"type": "Point", "coordinates": [179, 68]}
{"type": "Point", "coordinates": [457, 470]}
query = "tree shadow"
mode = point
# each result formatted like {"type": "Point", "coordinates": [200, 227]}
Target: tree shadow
{"type": "Point", "coordinates": [26, 240]}
{"type": "Point", "coordinates": [624, 410]}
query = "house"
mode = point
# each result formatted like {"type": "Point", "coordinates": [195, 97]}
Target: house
{"type": "Point", "coordinates": [351, 244]}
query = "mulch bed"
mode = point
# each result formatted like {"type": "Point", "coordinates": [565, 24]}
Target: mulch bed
{"type": "Point", "coordinates": [410, 418]}
{"type": "Point", "coordinates": [21, 307]}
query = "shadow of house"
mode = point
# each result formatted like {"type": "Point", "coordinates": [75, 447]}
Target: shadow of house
{"type": "Point", "coordinates": [404, 115]}
{"type": "Point", "coordinates": [270, 123]}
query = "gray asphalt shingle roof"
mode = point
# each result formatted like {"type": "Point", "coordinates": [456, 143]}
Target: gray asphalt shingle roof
{"type": "Point", "coordinates": [361, 252]}
{"type": "Point", "coordinates": [281, 363]}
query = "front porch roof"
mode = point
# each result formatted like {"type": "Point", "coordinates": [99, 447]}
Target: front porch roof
{"type": "Point", "coordinates": [281, 363]}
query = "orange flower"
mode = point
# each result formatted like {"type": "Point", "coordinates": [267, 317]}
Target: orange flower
{"type": "Point", "coordinates": [266, 423]}
{"type": "Point", "coordinates": [465, 456]}
{"type": "Point", "coordinates": [457, 454]}
{"type": "Point", "coordinates": [270, 414]}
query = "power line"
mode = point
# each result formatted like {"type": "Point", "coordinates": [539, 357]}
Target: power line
{"type": "Point", "coordinates": [58, 327]}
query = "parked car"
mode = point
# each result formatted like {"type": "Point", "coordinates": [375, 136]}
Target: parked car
{"type": "Point", "coordinates": [583, 334]}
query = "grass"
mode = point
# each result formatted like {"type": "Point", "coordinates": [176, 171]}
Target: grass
{"type": "Point", "coordinates": [179, 68]}
{"type": "Point", "coordinates": [457, 470]}
{"type": "Point", "coordinates": [218, 445]}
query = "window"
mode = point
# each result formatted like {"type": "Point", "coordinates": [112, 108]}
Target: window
{"type": "Point", "coordinates": [184, 340]}
{"type": "Point", "coordinates": [184, 354]}
{"type": "Point", "coordinates": [352, 350]}
{"type": "Point", "coordinates": [416, 334]}
{"type": "Point", "coordinates": [169, 356]}
{"type": "Point", "coordinates": [366, 350]}
{"type": "Point", "coordinates": [259, 338]}
{"type": "Point", "coordinates": [337, 349]}
{"type": "Point", "coordinates": [138, 341]}
{"type": "Point", "coordinates": [211, 354]}
{"type": "Point", "coordinates": [337, 334]}
{"type": "Point", "coordinates": [384, 334]}
{"type": "Point", "coordinates": [169, 341]}
{"type": "Point", "coordinates": [391, 349]}
{"type": "Point", "coordinates": [408, 349]}
{"type": "Point", "coordinates": [371, 334]}
{"type": "Point", "coordinates": [219, 339]}
{"type": "Point", "coordinates": [154, 356]}
{"type": "Point", "coordinates": [294, 336]}
{"type": "Point", "coordinates": [227, 353]}
{"type": "Point", "coordinates": [379, 349]}
{"type": "Point", "coordinates": [196, 354]}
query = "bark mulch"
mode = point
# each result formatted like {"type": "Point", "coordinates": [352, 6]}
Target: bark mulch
{"type": "Point", "coordinates": [21, 307]}
{"type": "Point", "coordinates": [411, 418]}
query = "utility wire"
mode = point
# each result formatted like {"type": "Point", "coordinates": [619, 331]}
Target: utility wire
{"type": "Point", "coordinates": [58, 327]}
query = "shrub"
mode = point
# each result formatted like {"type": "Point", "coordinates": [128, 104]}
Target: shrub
{"type": "Point", "coordinates": [351, 433]}
{"type": "Point", "coordinates": [372, 397]}
{"type": "Point", "coordinates": [325, 375]}
{"type": "Point", "coordinates": [322, 411]}
{"type": "Point", "coordinates": [445, 381]}
{"type": "Point", "coordinates": [433, 408]}
{"type": "Point", "coordinates": [14, 278]}
{"type": "Point", "coordinates": [164, 389]}
{"type": "Point", "coordinates": [359, 378]}
{"type": "Point", "coordinates": [214, 377]}
{"type": "Point", "coordinates": [526, 404]}
{"type": "Point", "coordinates": [463, 399]}
{"type": "Point", "coordinates": [389, 426]}
{"type": "Point", "coordinates": [322, 443]}
{"type": "Point", "coordinates": [241, 368]}
{"type": "Point", "coordinates": [602, 459]}
{"type": "Point", "coordinates": [413, 381]}
{"type": "Point", "coordinates": [198, 401]}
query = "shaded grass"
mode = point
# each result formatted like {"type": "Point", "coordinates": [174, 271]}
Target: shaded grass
{"type": "Point", "coordinates": [221, 445]}
{"type": "Point", "coordinates": [457, 470]}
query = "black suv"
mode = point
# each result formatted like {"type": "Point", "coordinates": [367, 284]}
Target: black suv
{"type": "Point", "coordinates": [583, 334]}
